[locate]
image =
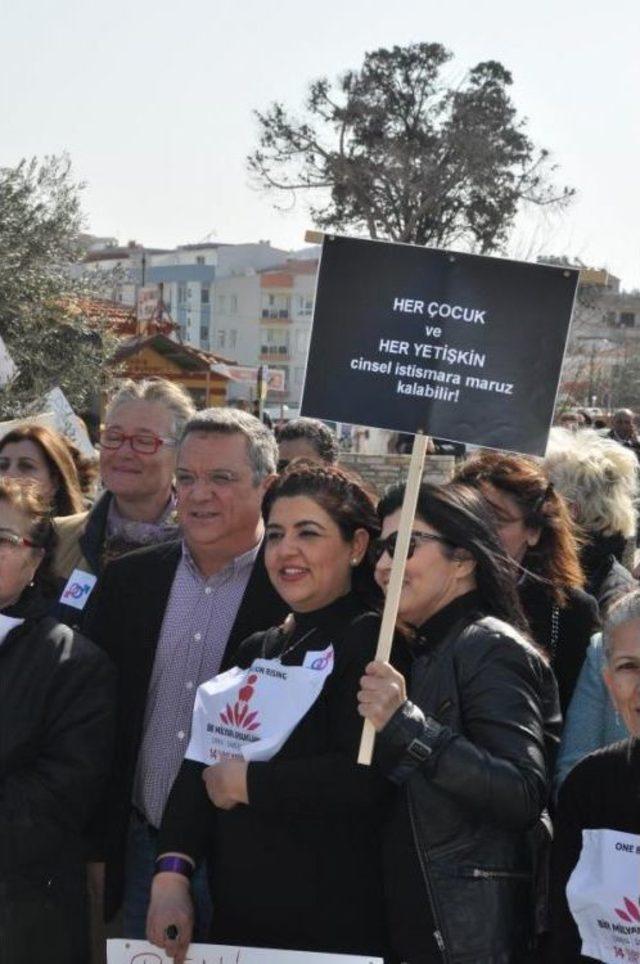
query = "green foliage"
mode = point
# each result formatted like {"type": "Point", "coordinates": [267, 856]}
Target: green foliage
{"type": "Point", "coordinates": [401, 155]}
{"type": "Point", "coordinates": [47, 337]}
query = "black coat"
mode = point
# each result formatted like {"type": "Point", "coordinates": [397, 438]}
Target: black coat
{"type": "Point", "coordinates": [607, 578]}
{"type": "Point", "coordinates": [564, 633]}
{"type": "Point", "coordinates": [125, 618]}
{"type": "Point", "coordinates": [299, 867]}
{"type": "Point", "coordinates": [472, 749]}
{"type": "Point", "coordinates": [56, 736]}
{"type": "Point", "coordinates": [601, 792]}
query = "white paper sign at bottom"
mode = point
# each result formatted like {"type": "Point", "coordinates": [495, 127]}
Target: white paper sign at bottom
{"type": "Point", "coordinates": [602, 894]}
{"type": "Point", "coordinates": [248, 714]}
{"type": "Point", "coordinates": [139, 952]}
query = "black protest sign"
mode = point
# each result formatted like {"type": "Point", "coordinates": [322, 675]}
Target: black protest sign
{"type": "Point", "coordinates": [463, 347]}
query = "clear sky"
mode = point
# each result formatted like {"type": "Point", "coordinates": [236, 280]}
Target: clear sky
{"type": "Point", "coordinates": [153, 99]}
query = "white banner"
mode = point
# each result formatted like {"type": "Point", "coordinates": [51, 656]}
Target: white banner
{"type": "Point", "coordinates": [602, 894]}
{"type": "Point", "coordinates": [242, 373]}
{"type": "Point", "coordinates": [139, 952]}
{"type": "Point", "coordinates": [248, 714]}
{"type": "Point", "coordinates": [67, 421]}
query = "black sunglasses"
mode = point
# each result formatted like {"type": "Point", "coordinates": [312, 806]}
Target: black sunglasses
{"type": "Point", "coordinates": [380, 546]}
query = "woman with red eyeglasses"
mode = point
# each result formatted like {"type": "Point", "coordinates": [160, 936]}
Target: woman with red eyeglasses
{"type": "Point", "coordinates": [138, 445]}
{"type": "Point", "coordinates": [57, 693]}
{"type": "Point", "coordinates": [466, 731]}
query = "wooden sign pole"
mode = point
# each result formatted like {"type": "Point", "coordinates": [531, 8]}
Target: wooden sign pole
{"type": "Point", "coordinates": [392, 601]}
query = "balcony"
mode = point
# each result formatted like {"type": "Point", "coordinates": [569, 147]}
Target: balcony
{"type": "Point", "coordinates": [276, 314]}
{"type": "Point", "coordinates": [274, 353]}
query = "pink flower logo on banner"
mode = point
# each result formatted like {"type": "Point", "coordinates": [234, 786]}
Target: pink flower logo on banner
{"type": "Point", "coordinates": [239, 714]}
{"type": "Point", "coordinates": [632, 914]}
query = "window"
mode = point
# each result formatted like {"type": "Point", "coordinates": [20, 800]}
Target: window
{"type": "Point", "coordinates": [233, 307]}
{"type": "Point", "coordinates": [627, 319]}
{"type": "Point", "coordinates": [205, 294]}
{"type": "Point", "coordinates": [222, 337]}
{"type": "Point", "coordinates": [222, 304]}
{"type": "Point", "coordinates": [204, 334]}
{"type": "Point", "coordinates": [233, 337]}
{"type": "Point", "coordinates": [200, 259]}
{"type": "Point", "coordinates": [182, 292]}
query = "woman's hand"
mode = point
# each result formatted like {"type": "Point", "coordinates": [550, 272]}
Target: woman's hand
{"type": "Point", "coordinates": [382, 691]}
{"type": "Point", "coordinates": [226, 783]}
{"type": "Point", "coordinates": [171, 907]}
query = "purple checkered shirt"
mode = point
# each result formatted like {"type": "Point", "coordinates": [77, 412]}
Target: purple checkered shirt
{"type": "Point", "coordinates": [199, 616]}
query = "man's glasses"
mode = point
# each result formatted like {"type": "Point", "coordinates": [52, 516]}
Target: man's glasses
{"type": "Point", "coordinates": [144, 443]}
{"type": "Point", "coordinates": [11, 542]}
{"type": "Point", "coordinates": [388, 545]}
{"type": "Point", "coordinates": [219, 478]}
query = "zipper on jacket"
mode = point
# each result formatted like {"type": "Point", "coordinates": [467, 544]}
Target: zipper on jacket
{"type": "Point", "coordinates": [499, 874]}
{"type": "Point", "coordinates": [437, 934]}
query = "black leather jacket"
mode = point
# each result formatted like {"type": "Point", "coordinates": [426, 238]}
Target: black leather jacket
{"type": "Point", "coordinates": [472, 748]}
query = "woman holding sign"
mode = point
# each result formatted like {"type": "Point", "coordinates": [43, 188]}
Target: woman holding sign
{"type": "Point", "coordinates": [595, 908]}
{"type": "Point", "coordinates": [467, 734]}
{"type": "Point", "coordinates": [288, 820]}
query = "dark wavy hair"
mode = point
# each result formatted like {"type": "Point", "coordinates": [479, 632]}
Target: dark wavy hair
{"type": "Point", "coordinates": [461, 516]}
{"type": "Point", "coordinates": [555, 557]}
{"type": "Point", "coordinates": [24, 495]}
{"type": "Point", "coordinates": [344, 499]}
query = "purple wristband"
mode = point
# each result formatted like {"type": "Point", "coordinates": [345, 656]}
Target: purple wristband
{"type": "Point", "coordinates": [174, 865]}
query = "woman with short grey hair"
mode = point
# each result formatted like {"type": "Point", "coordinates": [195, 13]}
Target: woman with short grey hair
{"type": "Point", "coordinates": [138, 444]}
{"type": "Point", "coordinates": [598, 808]}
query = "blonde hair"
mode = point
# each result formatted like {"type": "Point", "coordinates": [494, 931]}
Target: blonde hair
{"type": "Point", "coordinates": [160, 391]}
{"type": "Point", "coordinates": [598, 476]}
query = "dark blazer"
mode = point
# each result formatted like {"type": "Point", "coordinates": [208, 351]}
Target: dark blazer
{"type": "Point", "coordinates": [125, 618]}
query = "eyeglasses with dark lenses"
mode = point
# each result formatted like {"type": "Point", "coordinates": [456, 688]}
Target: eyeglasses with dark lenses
{"type": "Point", "coordinates": [388, 545]}
{"type": "Point", "coordinates": [144, 443]}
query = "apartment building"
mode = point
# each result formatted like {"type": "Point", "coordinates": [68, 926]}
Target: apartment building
{"type": "Point", "coordinates": [264, 318]}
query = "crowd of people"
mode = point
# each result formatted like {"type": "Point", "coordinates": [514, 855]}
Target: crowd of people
{"type": "Point", "coordinates": [213, 556]}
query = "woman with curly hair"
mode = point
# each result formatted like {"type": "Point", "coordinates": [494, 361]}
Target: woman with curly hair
{"type": "Point", "coordinates": [307, 822]}
{"type": "Point", "coordinates": [598, 477]}
{"type": "Point", "coordinates": [536, 530]}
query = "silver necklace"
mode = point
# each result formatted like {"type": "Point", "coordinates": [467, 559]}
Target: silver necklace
{"type": "Point", "coordinates": [296, 644]}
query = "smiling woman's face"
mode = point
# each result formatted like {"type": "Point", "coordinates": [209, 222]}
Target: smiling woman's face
{"type": "Point", "coordinates": [622, 673]}
{"type": "Point", "coordinates": [308, 559]}
{"type": "Point", "coordinates": [129, 474]}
